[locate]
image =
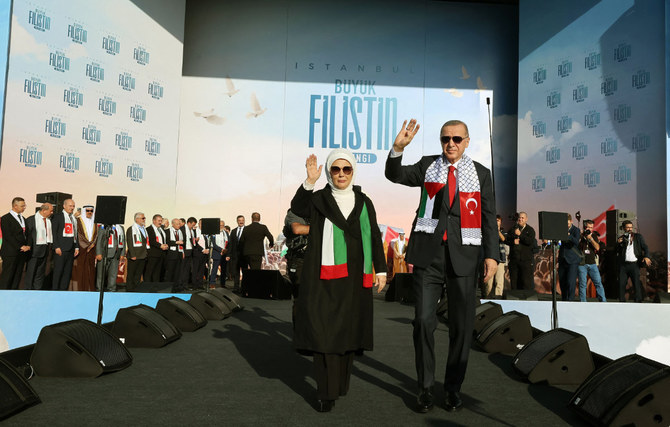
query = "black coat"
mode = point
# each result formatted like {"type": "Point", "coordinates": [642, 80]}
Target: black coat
{"type": "Point", "coordinates": [335, 316]}
{"type": "Point", "coordinates": [253, 237]}
{"type": "Point", "coordinates": [13, 236]}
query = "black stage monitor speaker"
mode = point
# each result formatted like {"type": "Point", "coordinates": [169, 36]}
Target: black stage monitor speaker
{"type": "Point", "coordinates": [558, 356]}
{"type": "Point", "coordinates": [401, 288]}
{"type": "Point", "coordinates": [154, 287]}
{"type": "Point", "coordinates": [485, 314]}
{"type": "Point", "coordinates": [662, 297]}
{"type": "Point", "coordinates": [614, 225]}
{"type": "Point", "coordinates": [232, 300]}
{"type": "Point", "coordinates": [553, 225]}
{"type": "Point", "coordinates": [630, 391]}
{"type": "Point", "coordinates": [505, 333]}
{"type": "Point", "coordinates": [78, 348]}
{"type": "Point", "coordinates": [210, 306]}
{"type": "Point", "coordinates": [110, 210]}
{"type": "Point", "coordinates": [142, 326]}
{"type": "Point", "coordinates": [210, 226]}
{"type": "Point", "coordinates": [520, 294]}
{"type": "Point", "coordinates": [265, 284]}
{"type": "Point", "coordinates": [181, 314]}
{"type": "Point", "coordinates": [55, 198]}
{"type": "Point", "coordinates": [15, 392]}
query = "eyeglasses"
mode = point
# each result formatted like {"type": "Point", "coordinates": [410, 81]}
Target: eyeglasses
{"type": "Point", "coordinates": [89, 210]}
{"type": "Point", "coordinates": [456, 139]}
{"type": "Point", "coordinates": [334, 170]}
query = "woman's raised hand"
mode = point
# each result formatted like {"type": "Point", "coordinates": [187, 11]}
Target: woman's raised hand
{"type": "Point", "coordinates": [313, 172]}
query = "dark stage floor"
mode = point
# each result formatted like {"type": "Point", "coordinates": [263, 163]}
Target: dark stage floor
{"type": "Point", "coordinates": [243, 371]}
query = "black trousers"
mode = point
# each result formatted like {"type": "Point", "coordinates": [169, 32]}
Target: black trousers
{"type": "Point", "coordinates": [186, 268]}
{"type": "Point", "coordinates": [12, 270]}
{"type": "Point", "coordinates": [632, 270]}
{"type": "Point", "coordinates": [35, 272]}
{"type": "Point", "coordinates": [253, 262]}
{"type": "Point", "coordinates": [199, 267]}
{"type": "Point", "coordinates": [521, 274]}
{"type": "Point", "coordinates": [172, 268]}
{"type": "Point", "coordinates": [237, 264]}
{"type": "Point", "coordinates": [135, 270]}
{"type": "Point", "coordinates": [152, 273]}
{"type": "Point", "coordinates": [461, 290]}
{"type": "Point", "coordinates": [62, 270]}
{"type": "Point", "coordinates": [332, 373]}
{"type": "Point", "coordinates": [567, 279]}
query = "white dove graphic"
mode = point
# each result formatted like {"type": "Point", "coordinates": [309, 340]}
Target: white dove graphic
{"type": "Point", "coordinates": [480, 85]}
{"type": "Point", "coordinates": [230, 87]}
{"type": "Point", "coordinates": [210, 117]}
{"type": "Point", "coordinates": [255, 107]}
{"type": "Point", "coordinates": [465, 75]}
{"type": "Point", "coordinates": [454, 92]}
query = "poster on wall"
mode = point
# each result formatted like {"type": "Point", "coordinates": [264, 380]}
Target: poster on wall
{"type": "Point", "coordinates": [92, 104]}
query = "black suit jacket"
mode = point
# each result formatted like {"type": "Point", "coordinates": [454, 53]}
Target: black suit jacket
{"type": "Point", "coordinates": [61, 242]}
{"type": "Point", "coordinates": [139, 252]}
{"type": "Point", "coordinates": [234, 247]}
{"type": "Point", "coordinates": [36, 251]}
{"type": "Point", "coordinates": [422, 246]}
{"type": "Point", "coordinates": [640, 248]}
{"type": "Point", "coordinates": [154, 246]}
{"type": "Point", "coordinates": [13, 236]}
{"type": "Point", "coordinates": [252, 239]}
{"type": "Point", "coordinates": [524, 250]}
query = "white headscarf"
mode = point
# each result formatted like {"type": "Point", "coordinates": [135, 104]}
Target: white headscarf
{"type": "Point", "coordinates": [345, 198]}
{"type": "Point", "coordinates": [89, 223]}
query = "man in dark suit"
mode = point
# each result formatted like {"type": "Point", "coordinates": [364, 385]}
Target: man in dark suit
{"type": "Point", "coordinates": [112, 247]}
{"type": "Point", "coordinates": [175, 253]}
{"type": "Point", "coordinates": [66, 245]}
{"type": "Point", "coordinates": [201, 250]}
{"type": "Point", "coordinates": [15, 246]}
{"type": "Point", "coordinates": [40, 239]}
{"type": "Point", "coordinates": [454, 228]}
{"type": "Point", "coordinates": [137, 247]}
{"type": "Point", "coordinates": [219, 250]}
{"type": "Point", "coordinates": [235, 252]}
{"type": "Point", "coordinates": [569, 258]}
{"type": "Point", "coordinates": [252, 242]}
{"type": "Point", "coordinates": [157, 250]}
{"type": "Point", "coordinates": [187, 271]}
{"type": "Point", "coordinates": [521, 241]}
{"type": "Point", "coordinates": [632, 252]}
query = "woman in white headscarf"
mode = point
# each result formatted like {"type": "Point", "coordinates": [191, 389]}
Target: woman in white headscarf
{"type": "Point", "coordinates": [343, 261]}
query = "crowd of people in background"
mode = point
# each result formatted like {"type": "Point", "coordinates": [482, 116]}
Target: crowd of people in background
{"type": "Point", "coordinates": [61, 248]}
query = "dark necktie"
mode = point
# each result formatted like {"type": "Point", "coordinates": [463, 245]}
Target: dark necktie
{"type": "Point", "coordinates": [46, 229]}
{"type": "Point", "coordinates": [451, 183]}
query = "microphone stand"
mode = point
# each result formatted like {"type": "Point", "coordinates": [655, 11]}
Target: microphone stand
{"type": "Point", "coordinates": [554, 273]}
{"type": "Point", "coordinates": [488, 106]}
{"type": "Point", "coordinates": [105, 268]}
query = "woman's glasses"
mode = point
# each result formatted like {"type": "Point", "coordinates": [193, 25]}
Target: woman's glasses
{"type": "Point", "coordinates": [335, 170]}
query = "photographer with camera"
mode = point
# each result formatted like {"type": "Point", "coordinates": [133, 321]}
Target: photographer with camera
{"type": "Point", "coordinates": [632, 253]}
{"type": "Point", "coordinates": [589, 245]}
{"type": "Point", "coordinates": [521, 241]}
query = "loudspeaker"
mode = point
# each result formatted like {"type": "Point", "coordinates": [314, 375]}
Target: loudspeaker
{"type": "Point", "coordinates": [553, 225]}
{"type": "Point", "coordinates": [110, 210]}
{"type": "Point", "coordinates": [15, 392]}
{"type": "Point", "coordinates": [154, 287]}
{"type": "Point", "coordinates": [233, 301]}
{"type": "Point", "coordinates": [520, 294]}
{"type": "Point", "coordinates": [662, 297]}
{"type": "Point", "coordinates": [181, 314]}
{"type": "Point", "coordinates": [142, 326]}
{"type": "Point", "coordinates": [505, 333]}
{"type": "Point", "coordinates": [210, 306]}
{"type": "Point", "coordinates": [78, 348]}
{"type": "Point", "coordinates": [630, 391]}
{"type": "Point", "coordinates": [558, 356]}
{"type": "Point", "coordinates": [265, 284]}
{"type": "Point", "coordinates": [210, 226]}
{"type": "Point", "coordinates": [400, 288]}
{"type": "Point", "coordinates": [54, 197]}
{"type": "Point", "coordinates": [485, 314]}
{"type": "Point", "coordinates": [614, 225]}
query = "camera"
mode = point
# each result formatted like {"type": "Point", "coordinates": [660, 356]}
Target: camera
{"type": "Point", "coordinates": [587, 233]}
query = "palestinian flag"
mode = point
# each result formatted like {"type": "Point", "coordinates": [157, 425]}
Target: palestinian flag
{"type": "Point", "coordinates": [334, 251]}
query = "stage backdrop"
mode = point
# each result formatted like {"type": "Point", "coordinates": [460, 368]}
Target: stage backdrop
{"type": "Point", "coordinates": [279, 82]}
{"type": "Point", "coordinates": [92, 103]}
{"type": "Point", "coordinates": [591, 113]}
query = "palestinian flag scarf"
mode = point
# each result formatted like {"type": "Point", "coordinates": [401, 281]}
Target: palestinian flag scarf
{"type": "Point", "coordinates": [334, 263]}
{"type": "Point", "coordinates": [469, 196]}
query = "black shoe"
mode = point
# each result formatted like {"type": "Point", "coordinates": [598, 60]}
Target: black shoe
{"type": "Point", "coordinates": [324, 405]}
{"type": "Point", "coordinates": [453, 401]}
{"type": "Point", "coordinates": [424, 401]}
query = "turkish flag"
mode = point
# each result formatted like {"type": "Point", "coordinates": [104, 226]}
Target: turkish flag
{"type": "Point", "coordinates": [69, 229]}
{"type": "Point", "coordinates": [471, 209]}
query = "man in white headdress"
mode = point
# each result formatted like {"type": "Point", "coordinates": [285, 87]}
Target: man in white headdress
{"type": "Point", "coordinates": [399, 247]}
{"type": "Point", "coordinates": [83, 270]}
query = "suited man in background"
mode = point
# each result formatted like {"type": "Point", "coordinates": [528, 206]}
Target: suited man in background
{"type": "Point", "coordinates": [137, 248]}
{"type": "Point", "coordinates": [252, 242]}
{"type": "Point", "coordinates": [113, 249]}
{"type": "Point", "coordinates": [175, 253]}
{"type": "Point", "coordinates": [235, 252]}
{"type": "Point", "coordinates": [186, 274]}
{"type": "Point", "coordinates": [66, 245]}
{"type": "Point", "coordinates": [157, 250]}
{"type": "Point", "coordinates": [456, 223]}
{"type": "Point", "coordinates": [569, 258]}
{"type": "Point", "coordinates": [632, 252]}
{"type": "Point", "coordinates": [521, 241]}
{"type": "Point", "coordinates": [15, 246]}
{"type": "Point", "coordinates": [201, 250]}
{"type": "Point", "coordinates": [40, 239]}
{"type": "Point", "coordinates": [219, 250]}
